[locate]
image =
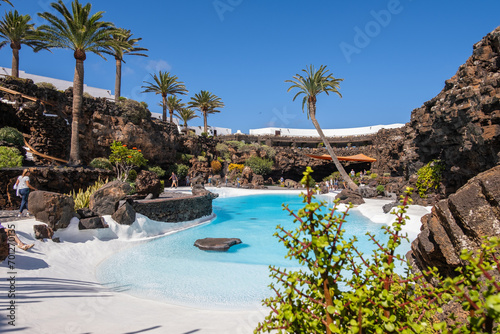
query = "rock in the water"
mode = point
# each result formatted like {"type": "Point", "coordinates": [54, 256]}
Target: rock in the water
{"type": "Point", "coordinates": [216, 244]}
{"type": "Point", "coordinates": [125, 215]}
{"type": "Point", "coordinates": [148, 183]}
{"type": "Point", "coordinates": [459, 222]}
{"type": "Point", "coordinates": [54, 209]}
{"type": "Point", "coordinates": [43, 231]}
{"type": "Point", "coordinates": [105, 200]}
{"type": "Point", "coordinates": [348, 196]}
{"type": "Point", "coordinates": [92, 223]}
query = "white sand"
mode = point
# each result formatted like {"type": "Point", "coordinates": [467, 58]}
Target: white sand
{"type": "Point", "coordinates": [56, 290]}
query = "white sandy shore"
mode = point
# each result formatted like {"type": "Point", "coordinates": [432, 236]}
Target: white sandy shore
{"type": "Point", "coordinates": [56, 290]}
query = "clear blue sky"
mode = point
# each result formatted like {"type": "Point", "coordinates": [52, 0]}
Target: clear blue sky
{"type": "Point", "coordinates": [393, 55]}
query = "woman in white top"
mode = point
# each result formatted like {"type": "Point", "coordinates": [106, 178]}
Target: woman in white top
{"type": "Point", "coordinates": [23, 188]}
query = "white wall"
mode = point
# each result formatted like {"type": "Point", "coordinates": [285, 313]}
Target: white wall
{"type": "Point", "coordinates": [328, 132]}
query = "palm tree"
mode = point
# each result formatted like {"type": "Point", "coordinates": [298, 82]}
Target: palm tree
{"type": "Point", "coordinates": [207, 103]}
{"type": "Point", "coordinates": [310, 85]}
{"type": "Point", "coordinates": [186, 114]}
{"type": "Point", "coordinates": [126, 46]}
{"type": "Point", "coordinates": [174, 104]}
{"type": "Point", "coordinates": [16, 30]}
{"type": "Point", "coordinates": [165, 84]}
{"type": "Point", "coordinates": [81, 32]}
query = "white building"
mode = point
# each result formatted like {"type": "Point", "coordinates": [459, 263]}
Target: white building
{"type": "Point", "coordinates": [212, 130]}
{"type": "Point", "coordinates": [60, 84]}
{"type": "Point", "coordinates": [328, 132]}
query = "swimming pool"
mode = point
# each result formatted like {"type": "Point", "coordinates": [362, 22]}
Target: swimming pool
{"type": "Point", "coordinates": [172, 270]}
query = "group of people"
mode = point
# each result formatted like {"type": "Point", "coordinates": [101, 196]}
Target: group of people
{"type": "Point", "coordinates": [22, 187]}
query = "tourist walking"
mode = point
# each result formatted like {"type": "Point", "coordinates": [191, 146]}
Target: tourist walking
{"type": "Point", "coordinates": [23, 187]}
{"type": "Point", "coordinates": [225, 179]}
{"type": "Point", "coordinates": [174, 180]}
{"type": "Point", "coordinates": [187, 180]}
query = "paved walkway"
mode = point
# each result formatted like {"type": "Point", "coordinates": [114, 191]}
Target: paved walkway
{"type": "Point", "coordinates": [11, 215]}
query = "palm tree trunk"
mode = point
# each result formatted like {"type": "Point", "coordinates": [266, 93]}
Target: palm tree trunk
{"type": "Point", "coordinates": [15, 63]}
{"type": "Point", "coordinates": [205, 124]}
{"type": "Point", "coordinates": [118, 79]}
{"type": "Point", "coordinates": [164, 108]}
{"type": "Point", "coordinates": [74, 154]}
{"type": "Point", "coordinates": [171, 111]}
{"type": "Point", "coordinates": [340, 168]}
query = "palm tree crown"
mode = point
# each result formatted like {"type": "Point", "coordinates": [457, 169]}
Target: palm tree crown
{"type": "Point", "coordinates": [186, 114]}
{"type": "Point", "coordinates": [174, 104]}
{"type": "Point", "coordinates": [81, 32]}
{"type": "Point", "coordinates": [207, 103]}
{"type": "Point", "coordinates": [165, 84]}
{"type": "Point", "coordinates": [16, 30]}
{"type": "Point", "coordinates": [126, 46]}
{"type": "Point", "coordinates": [311, 84]}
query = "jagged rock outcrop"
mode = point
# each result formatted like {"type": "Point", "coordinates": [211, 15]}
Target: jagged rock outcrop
{"type": "Point", "coordinates": [459, 222]}
{"type": "Point", "coordinates": [347, 196]}
{"type": "Point", "coordinates": [105, 200]}
{"type": "Point", "coordinates": [148, 183]}
{"type": "Point", "coordinates": [54, 209]}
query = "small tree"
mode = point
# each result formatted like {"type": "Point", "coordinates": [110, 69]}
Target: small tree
{"type": "Point", "coordinates": [125, 159]}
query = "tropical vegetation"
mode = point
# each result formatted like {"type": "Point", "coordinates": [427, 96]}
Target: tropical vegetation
{"type": "Point", "coordinates": [125, 159]}
{"type": "Point", "coordinates": [207, 103]}
{"type": "Point", "coordinates": [10, 157]}
{"type": "Point", "coordinates": [311, 84]}
{"type": "Point", "coordinates": [186, 114]}
{"type": "Point", "coordinates": [174, 104]}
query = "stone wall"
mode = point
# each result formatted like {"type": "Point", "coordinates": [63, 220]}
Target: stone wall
{"type": "Point", "coordinates": [175, 210]}
{"type": "Point", "coordinates": [55, 179]}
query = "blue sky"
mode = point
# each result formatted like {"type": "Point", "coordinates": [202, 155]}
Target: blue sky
{"type": "Point", "coordinates": [393, 55]}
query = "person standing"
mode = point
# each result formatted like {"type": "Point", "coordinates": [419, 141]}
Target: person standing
{"type": "Point", "coordinates": [23, 187]}
{"type": "Point", "coordinates": [187, 180]}
{"type": "Point", "coordinates": [174, 180]}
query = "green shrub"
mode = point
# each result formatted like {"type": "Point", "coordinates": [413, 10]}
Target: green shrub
{"type": "Point", "coordinates": [101, 163]}
{"type": "Point", "coordinates": [222, 148]}
{"type": "Point", "coordinates": [373, 175]}
{"type": "Point", "coordinates": [387, 174]}
{"type": "Point", "coordinates": [185, 157]}
{"type": "Point", "coordinates": [82, 198]}
{"type": "Point", "coordinates": [10, 157]}
{"type": "Point", "coordinates": [235, 144]}
{"type": "Point", "coordinates": [158, 171]}
{"type": "Point", "coordinates": [125, 159]}
{"type": "Point", "coordinates": [87, 95]}
{"type": "Point", "coordinates": [180, 170]}
{"type": "Point", "coordinates": [259, 165]}
{"type": "Point", "coordinates": [47, 85]}
{"type": "Point", "coordinates": [380, 189]}
{"type": "Point", "coordinates": [132, 176]}
{"type": "Point", "coordinates": [204, 134]}
{"type": "Point", "coordinates": [270, 152]}
{"type": "Point", "coordinates": [201, 158]}
{"type": "Point", "coordinates": [134, 111]}
{"type": "Point", "coordinates": [429, 177]}
{"type": "Point", "coordinates": [11, 135]}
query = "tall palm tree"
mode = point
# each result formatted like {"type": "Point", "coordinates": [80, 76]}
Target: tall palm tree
{"type": "Point", "coordinates": [81, 32]}
{"type": "Point", "coordinates": [16, 30]}
{"type": "Point", "coordinates": [165, 84]}
{"type": "Point", "coordinates": [174, 104]}
{"type": "Point", "coordinates": [186, 114]}
{"type": "Point", "coordinates": [313, 83]}
{"type": "Point", "coordinates": [127, 46]}
{"type": "Point", "coordinates": [207, 103]}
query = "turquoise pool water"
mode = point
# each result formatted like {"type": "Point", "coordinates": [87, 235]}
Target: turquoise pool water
{"type": "Point", "coordinates": [171, 269]}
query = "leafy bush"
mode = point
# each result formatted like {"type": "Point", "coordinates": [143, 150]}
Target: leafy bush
{"type": "Point", "coordinates": [235, 144]}
{"type": "Point", "coordinates": [11, 135]}
{"type": "Point", "coordinates": [204, 134]}
{"type": "Point", "coordinates": [429, 177]}
{"type": "Point", "coordinates": [158, 171]}
{"type": "Point", "coordinates": [180, 170]}
{"type": "Point", "coordinates": [10, 157]}
{"type": "Point", "coordinates": [373, 175]}
{"type": "Point", "coordinates": [239, 167]}
{"type": "Point", "coordinates": [270, 152]}
{"type": "Point", "coordinates": [125, 159]}
{"type": "Point", "coordinates": [216, 166]}
{"type": "Point", "coordinates": [47, 85]}
{"type": "Point", "coordinates": [134, 111]}
{"type": "Point", "coordinates": [101, 163]}
{"type": "Point", "coordinates": [82, 198]}
{"type": "Point", "coordinates": [380, 189]}
{"type": "Point", "coordinates": [222, 148]}
{"type": "Point", "coordinates": [333, 176]}
{"type": "Point", "coordinates": [185, 157]}
{"type": "Point", "coordinates": [132, 176]}
{"type": "Point", "coordinates": [87, 95]}
{"type": "Point", "coordinates": [259, 165]}
{"type": "Point", "coordinates": [201, 158]}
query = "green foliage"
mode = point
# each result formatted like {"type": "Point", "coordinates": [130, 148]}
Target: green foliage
{"type": "Point", "coordinates": [134, 111]}
{"type": "Point", "coordinates": [10, 157]}
{"type": "Point", "coordinates": [158, 170]}
{"type": "Point", "coordinates": [270, 152]}
{"type": "Point", "coordinates": [373, 175]}
{"type": "Point", "coordinates": [259, 165]}
{"type": "Point", "coordinates": [204, 134]}
{"type": "Point", "coordinates": [132, 176]}
{"type": "Point", "coordinates": [82, 198]}
{"type": "Point", "coordinates": [429, 177]}
{"type": "Point", "coordinates": [180, 170]}
{"type": "Point", "coordinates": [314, 301]}
{"type": "Point", "coordinates": [235, 144]}
{"type": "Point", "coordinates": [380, 189]}
{"type": "Point", "coordinates": [125, 159]}
{"type": "Point", "coordinates": [201, 158]}
{"type": "Point", "coordinates": [101, 163]}
{"type": "Point", "coordinates": [87, 95]}
{"type": "Point", "coordinates": [216, 166]}
{"type": "Point", "coordinates": [11, 135]}
{"type": "Point", "coordinates": [221, 148]}
{"type": "Point", "coordinates": [47, 85]}
{"type": "Point", "coordinates": [333, 176]}
{"type": "Point", "coordinates": [185, 157]}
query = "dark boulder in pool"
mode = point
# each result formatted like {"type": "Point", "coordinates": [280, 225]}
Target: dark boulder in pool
{"type": "Point", "coordinates": [216, 244]}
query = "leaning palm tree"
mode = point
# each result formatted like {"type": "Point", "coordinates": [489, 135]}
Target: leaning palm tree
{"type": "Point", "coordinates": [81, 32]}
{"type": "Point", "coordinates": [186, 114]}
{"type": "Point", "coordinates": [165, 84]}
{"type": "Point", "coordinates": [174, 104]}
{"type": "Point", "coordinates": [127, 46]}
{"type": "Point", "coordinates": [310, 85]}
{"type": "Point", "coordinates": [207, 103]}
{"type": "Point", "coordinates": [16, 30]}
